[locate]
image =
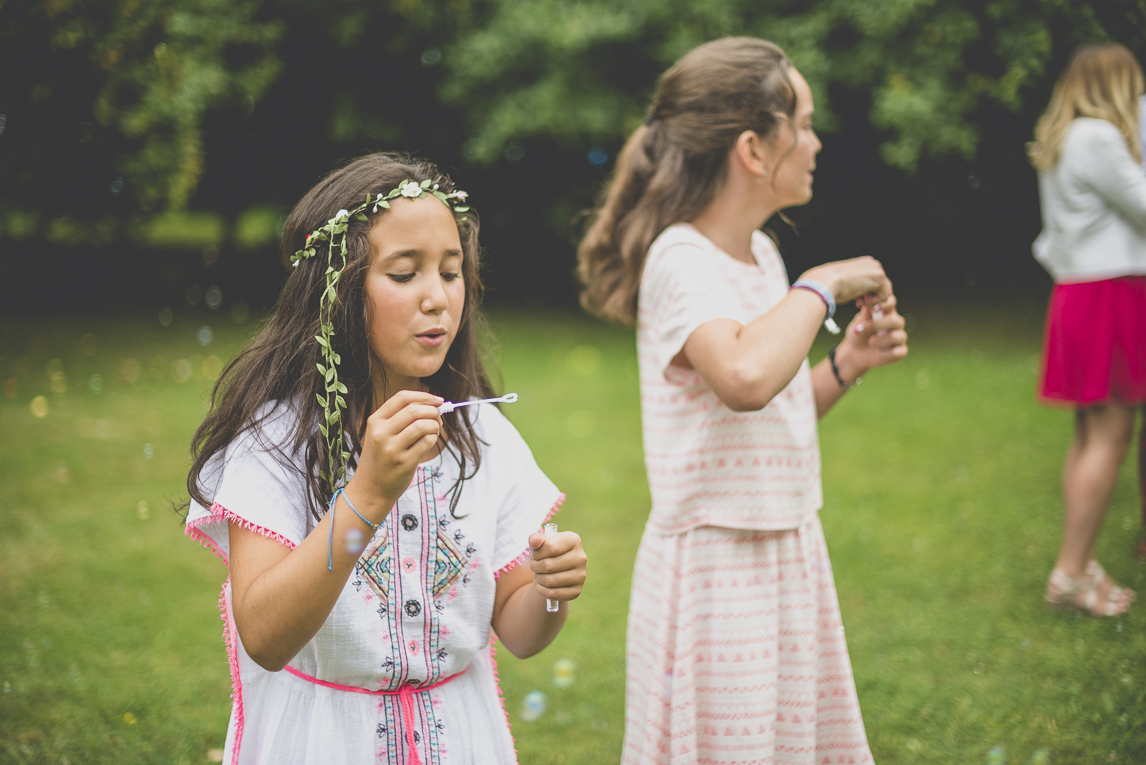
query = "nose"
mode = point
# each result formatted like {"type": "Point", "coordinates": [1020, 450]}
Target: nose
{"type": "Point", "coordinates": [435, 300]}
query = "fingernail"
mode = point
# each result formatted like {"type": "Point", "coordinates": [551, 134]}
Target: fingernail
{"type": "Point", "coordinates": [859, 329]}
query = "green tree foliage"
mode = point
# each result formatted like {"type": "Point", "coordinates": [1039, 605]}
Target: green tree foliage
{"type": "Point", "coordinates": [146, 71]}
{"type": "Point", "coordinates": [122, 91]}
{"type": "Point", "coordinates": [581, 70]}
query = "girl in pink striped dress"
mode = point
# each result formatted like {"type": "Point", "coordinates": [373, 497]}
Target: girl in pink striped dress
{"type": "Point", "coordinates": [736, 652]}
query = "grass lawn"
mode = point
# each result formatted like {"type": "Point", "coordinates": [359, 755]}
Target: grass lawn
{"type": "Point", "coordinates": [942, 513]}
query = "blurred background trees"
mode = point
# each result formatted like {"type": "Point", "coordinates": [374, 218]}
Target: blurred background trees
{"type": "Point", "coordinates": [148, 146]}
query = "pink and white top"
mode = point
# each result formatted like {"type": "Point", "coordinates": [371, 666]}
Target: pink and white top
{"type": "Point", "coordinates": [402, 670]}
{"type": "Point", "coordinates": [708, 465]}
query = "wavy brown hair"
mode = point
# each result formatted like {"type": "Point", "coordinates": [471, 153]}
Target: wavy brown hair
{"type": "Point", "coordinates": [279, 368]}
{"type": "Point", "coordinates": [1101, 81]}
{"type": "Point", "coordinates": [672, 166]}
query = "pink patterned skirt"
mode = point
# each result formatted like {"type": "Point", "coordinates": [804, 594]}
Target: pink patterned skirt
{"type": "Point", "coordinates": [736, 652]}
{"type": "Point", "coordinates": [1095, 346]}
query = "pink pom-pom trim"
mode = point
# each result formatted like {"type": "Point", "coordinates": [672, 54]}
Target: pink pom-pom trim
{"type": "Point", "coordinates": [220, 514]}
{"type": "Point", "coordinates": [527, 555]}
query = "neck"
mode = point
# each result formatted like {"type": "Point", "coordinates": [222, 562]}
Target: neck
{"type": "Point", "coordinates": [386, 384]}
{"type": "Point", "coordinates": [740, 207]}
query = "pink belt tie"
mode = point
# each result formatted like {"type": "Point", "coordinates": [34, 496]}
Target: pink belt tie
{"type": "Point", "coordinates": [405, 696]}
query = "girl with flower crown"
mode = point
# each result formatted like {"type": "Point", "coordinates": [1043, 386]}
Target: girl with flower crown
{"type": "Point", "coordinates": [736, 652]}
{"type": "Point", "coordinates": [374, 534]}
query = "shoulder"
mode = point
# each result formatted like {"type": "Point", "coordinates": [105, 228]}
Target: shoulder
{"type": "Point", "coordinates": [1089, 134]}
{"type": "Point", "coordinates": [680, 249]}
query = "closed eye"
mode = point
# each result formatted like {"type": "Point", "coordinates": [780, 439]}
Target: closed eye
{"type": "Point", "coordinates": [401, 278]}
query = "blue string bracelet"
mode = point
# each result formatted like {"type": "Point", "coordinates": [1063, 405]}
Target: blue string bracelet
{"type": "Point", "coordinates": [330, 542]}
{"type": "Point", "coordinates": [825, 295]}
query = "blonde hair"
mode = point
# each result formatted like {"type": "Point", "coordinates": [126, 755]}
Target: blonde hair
{"type": "Point", "coordinates": [671, 166]}
{"type": "Point", "coordinates": [1101, 81]}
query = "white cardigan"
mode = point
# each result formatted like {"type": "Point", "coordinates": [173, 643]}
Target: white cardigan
{"type": "Point", "coordinates": [1093, 207]}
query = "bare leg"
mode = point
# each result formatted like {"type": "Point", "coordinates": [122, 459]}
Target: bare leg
{"type": "Point", "coordinates": [1140, 550]}
{"type": "Point", "coordinates": [1101, 440]}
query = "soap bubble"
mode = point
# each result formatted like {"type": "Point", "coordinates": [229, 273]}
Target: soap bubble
{"type": "Point", "coordinates": [1041, 756]}
{"type": "Point", "coordinates": [148, 451]}
{"type": "Point", "coordinates": [922, 379]}
{"type": "Point", "coordinates": [181, 370]}
{"type": "Point", "coordinates": [431, 56]}
{"type": "Point", "coordinates": [598, 156]}
{"type": "Point", "coordinates": [210, 257]}
{"type": "Point", "coordinates": [239, 312]}
{"type": "Point", "coordinates": [215, 755]}
{"type": "Point", "coordinates": [563, 672]}
{"type": "Point", "coordinates": [143, 510]}
{"type": "Point", "coordinates": [129, 718]}
{"type": "Point", "coordinates": [7, 687]}
{"type": "Point", "coordinates": [193, 295]}
{"type": "Point", "coordinates": [116, 185]}
{"type": "Point", "coordinates": [62, 473]}
{"type": "Point", "coordinates": [355, 543]}
{"type": "Point", "coordinates": [214, 297]}
{"type": "Point", "coordinates": [585, 360]}
{"type": "Point", "coordinates": [204, 335]}
{"type": "Point", "coordinates": [166, 316]}
{"type": "Point", "coordinates": [95, 383]}
{"type": "Point", "coordinates": [996, 756]}
{"type": "Point", "coordinates": [533, 706]}
{"type": "Point", "coordinates": [102, 429]}
{"type": "Point", "coordinates": [39, 407]}
{"type": "Point", "coordinates": [914, 744]}
{"type": "Point", "coordinates": [515, 152]}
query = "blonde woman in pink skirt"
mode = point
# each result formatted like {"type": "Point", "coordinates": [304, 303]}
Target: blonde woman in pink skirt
{"type": "Point", "coordinates": [1093, 243]}
{"type": "Point", "coordinates": [735, 649]}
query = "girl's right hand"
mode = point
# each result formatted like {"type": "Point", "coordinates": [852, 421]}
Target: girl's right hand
{"type": "Point", "coordinates": [853, 278]}
{"type": "Point", "coordinates": [398, 436]}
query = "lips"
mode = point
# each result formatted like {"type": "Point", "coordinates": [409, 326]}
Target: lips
{"type": "Point", "coordinates": [431, 337]}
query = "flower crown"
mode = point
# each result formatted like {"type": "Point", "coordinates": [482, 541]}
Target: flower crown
{"type": "Point", "coordinates": [334, 233]}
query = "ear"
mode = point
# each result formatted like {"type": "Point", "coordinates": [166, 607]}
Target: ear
{"type": "Point", "coordinates": [751, 153]}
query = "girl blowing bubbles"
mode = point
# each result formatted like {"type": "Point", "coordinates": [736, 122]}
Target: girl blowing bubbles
{"type": "Point", "coordinates": [373, 542]}
{"type": "Point", "coordinates": [735, 650]}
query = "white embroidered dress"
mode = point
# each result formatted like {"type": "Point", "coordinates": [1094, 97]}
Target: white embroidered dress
{"type": "Point", "coordinates": [735, 649]}
{"type": "Point", "coordinates": [402, 671]}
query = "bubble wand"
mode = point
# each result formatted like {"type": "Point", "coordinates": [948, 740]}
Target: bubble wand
{"type": "Point", "coordinates": [450, 406]}
{"type": "Point", "coordinates": [551, 605]}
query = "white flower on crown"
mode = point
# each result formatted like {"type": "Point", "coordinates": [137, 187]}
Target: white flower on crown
{"type": "Point", "coordinates": [459, 195]}
{"type": "Point", "coordinates": [410, 189]}
{"type": "Point", "coordinates": [339, 216]}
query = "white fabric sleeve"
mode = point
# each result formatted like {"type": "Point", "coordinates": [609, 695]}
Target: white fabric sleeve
{"type": "Point", "coordinates": [1142, 129]}
{"type": "Point", "coordinates": [256, 487]}
{"type": "Point", "coordinates": [1107, 165]}
{"type": "Point", "coordinates": [683, 287]}
{"type": "Point", "coordinates": [525, 497]}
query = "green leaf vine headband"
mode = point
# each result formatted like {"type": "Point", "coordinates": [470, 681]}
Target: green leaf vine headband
{"type": "Point", "coordinates": [334, 233]}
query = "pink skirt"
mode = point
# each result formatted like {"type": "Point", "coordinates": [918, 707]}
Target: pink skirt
{"type": "Point", "coordinates": [736, 652]}
{"type": "Point", "coordinates": [1095, 346]}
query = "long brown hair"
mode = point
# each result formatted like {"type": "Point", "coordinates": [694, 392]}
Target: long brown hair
{"type": "Point", "coordinates": [278, 367]}
{"type": "Point", "coordinates": [1101, 81]}
{"type": "Point", "coordinates": [672, 166]}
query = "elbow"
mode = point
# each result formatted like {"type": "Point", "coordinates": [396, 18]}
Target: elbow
{"type": "Point", "coordinates": [522, 651]}
{"type": "Point", "coordinates": [262, 651]}
{"type": "Point", "coordinates": [744, 390]}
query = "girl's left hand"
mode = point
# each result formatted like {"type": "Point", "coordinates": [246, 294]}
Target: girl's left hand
{"type": "Point", "coordinates": [871, 340]}
{"type": "Point", "coordinates": [558, 565]}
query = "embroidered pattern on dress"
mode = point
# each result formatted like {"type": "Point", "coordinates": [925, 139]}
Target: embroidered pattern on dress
{"type": "Point", "coordinates": [413, 563]}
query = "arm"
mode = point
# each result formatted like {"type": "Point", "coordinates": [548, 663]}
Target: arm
{"type": "Point", "coordinates": [867, 343]}
{"type": "Point", "coordinates": [282, 597]}
{"type": "Point", "coordinates": [1110, 169]}
{"type": "Point", "coordinates": [558, 573]}
{"type": "Point", "coordinates": [748, 364]}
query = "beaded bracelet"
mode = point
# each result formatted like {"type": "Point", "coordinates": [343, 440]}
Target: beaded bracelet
{"type": "Point", "coordinates": [825, 295]}
{"type": "Point", "coordinates": [330, 542]}
{"type": "Point", "coordinates": [836, 371]}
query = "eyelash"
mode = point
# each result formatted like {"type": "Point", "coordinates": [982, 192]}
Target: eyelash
{"type": "Point", "coordinates": [449, 276]}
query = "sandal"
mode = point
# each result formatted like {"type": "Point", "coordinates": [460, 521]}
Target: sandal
{"type": "Point", "coordinates": [1082, 593]}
